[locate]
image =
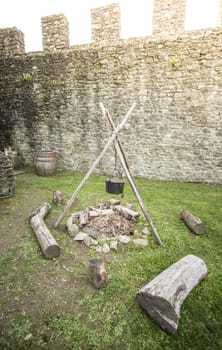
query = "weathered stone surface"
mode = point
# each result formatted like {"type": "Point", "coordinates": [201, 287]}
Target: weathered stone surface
{"type": "Point", "coordinates": [91, 231]}
{"type": "Point", "coordinates": [99, 249]}
{"type": "Point", "coordinates": [89, 241]}
{"type": "Point", "coordinates": [80, 236]}
{"type": "Point", "coordinates": [113, 245]}
{"type": "Point", "coordinates": [140, 241]}
{"type": "Point", "coordinates": [55, 30]}
{"type": "Point", "coordinates": [124, 239]}
{"type": "Point", "coordinates": [11, 42]}
{"type": "Point", "coordinates": [169, 17]}
{"type": "Point", "coordinates": [51, 101]}
{"type": "Point", "coordinates": [72, 228]}
{"type": "Point", "coordinates": [106, 248]}
{"type": "Point", "coordinates": [109, 28]}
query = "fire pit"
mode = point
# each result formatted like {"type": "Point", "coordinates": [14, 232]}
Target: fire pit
{"type": "Point", "coordinates": [105, 226]}
{"type": "Point", "coordinates": [112, 225]}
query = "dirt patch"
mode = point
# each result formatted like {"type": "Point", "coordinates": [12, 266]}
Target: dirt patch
{"type": "Point", "coordinates": [31, 284]}
{"type": "Point", "coordinates": [14, 214]}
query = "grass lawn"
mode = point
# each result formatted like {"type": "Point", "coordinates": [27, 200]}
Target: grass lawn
{"type": "Point", "coordinates": [49, 304]}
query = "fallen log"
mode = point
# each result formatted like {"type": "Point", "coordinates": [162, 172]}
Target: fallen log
{"type": "Point", "coordinates": [48, 245]}
{"type": "Point", "coordinates": [163, 296]}
{"type": "Point", "coordinates": [193, 222]}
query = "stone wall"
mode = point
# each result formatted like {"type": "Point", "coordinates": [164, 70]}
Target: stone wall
{"type": "Point", "coordinates": [55, 33]}
{"type": "Point", "coordinates": [106, 23]}
{"type": "Point", "coordinates": [168, 17]}
{"type": "Point", "coordinates": [50, 101]}
{"type": "Point", "coordinates": [11, 42]}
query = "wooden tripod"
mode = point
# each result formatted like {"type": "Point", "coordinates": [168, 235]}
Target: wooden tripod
{"type": "Point", "coordinates": [113, 139]}
{"type": "Point", "coordinates": [123, 161]}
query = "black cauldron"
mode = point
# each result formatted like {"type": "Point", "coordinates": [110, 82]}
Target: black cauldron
{"type": "Point", "coordinates": [114, 186]}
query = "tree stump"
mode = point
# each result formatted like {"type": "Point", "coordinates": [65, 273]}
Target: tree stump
{"type": "Point", "coordinates": [48, 245]}
{"type": "Point", "coordinates": [194, 223]}
{"type": "Point", "coordinates": [57, 197]}
{"type": "Point", "coordinates": [163, 296]}
{"type": "Point", "coordinates": [97, 273]}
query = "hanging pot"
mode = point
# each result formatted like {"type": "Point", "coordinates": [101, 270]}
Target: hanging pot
{"type": "Point", "coordinates": [114, 186]}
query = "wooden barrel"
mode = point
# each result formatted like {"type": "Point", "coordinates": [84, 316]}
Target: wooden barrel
{"type": "Point", "coordinates": [45, 163]}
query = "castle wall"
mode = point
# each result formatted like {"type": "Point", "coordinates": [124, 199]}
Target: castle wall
{"type": "Point", "coordinates": [106, 23]}
{"type": "Point", "coordinates": [55, 33]}
{"type": "Point", "coordinates": [50, 101]}
{"type": "Point", "coordinates": [169, 17]}
{"type": "Point", "coordinates": [11, 42]}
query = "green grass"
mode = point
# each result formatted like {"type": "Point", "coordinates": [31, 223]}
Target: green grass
{"type": "Point", "coordinates": [52, 300]}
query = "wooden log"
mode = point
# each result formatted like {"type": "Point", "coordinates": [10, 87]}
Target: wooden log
{"type": "Point", "coordinates": [99, 212]}
{"type": "Point", "coordinates": [127, 212]}
{"type": "Point", "coordinates": [48, 245]}
{"type": "Point", "coordinates": [93, 213]}
{"type": "Point", "coordinates": [193, 222]}
{"type": "Point", "coordinates": [96, 162]}
{"type": "Point", "coordinates": [163, 296]}
{"type": "Point", "coordinates": [97, 273]}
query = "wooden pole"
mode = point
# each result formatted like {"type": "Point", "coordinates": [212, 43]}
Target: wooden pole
{"type": "Point", "coordinates": [140, 201]}
{"type": "Point", "coordinates": [129, 176]}
{"type": "Point", "coordinates": [96, 162]}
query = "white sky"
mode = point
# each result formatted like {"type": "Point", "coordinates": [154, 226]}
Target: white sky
{"type": "Point", "coordinates": [136, 17]}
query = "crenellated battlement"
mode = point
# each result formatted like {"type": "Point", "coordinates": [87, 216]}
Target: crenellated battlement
{"type": "Point", "coordinates": [55, 32]}
{"type": "Point", "coordinates": [168, 21]}
{"type": "Point", "coordinates": [106, 23]}
{"type": "Point", "coordinates": [169, 17]}
{"type": "Point", "coordinates": [11, 42]}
